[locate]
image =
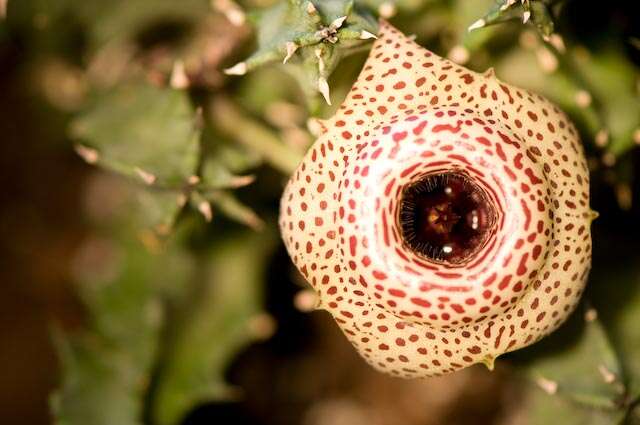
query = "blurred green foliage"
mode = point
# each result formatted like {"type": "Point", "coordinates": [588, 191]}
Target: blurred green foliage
{"type": "Point", "coordinates": [172, 298]}
{"type": "Point", "coordinates": [221, 315]}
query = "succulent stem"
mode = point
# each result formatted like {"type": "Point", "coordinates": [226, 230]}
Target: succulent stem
{"type": "Point", "coordinates": [228, 118]}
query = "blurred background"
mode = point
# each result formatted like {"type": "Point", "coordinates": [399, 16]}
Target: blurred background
{"type": "Point", "coordinates": [142, 278]}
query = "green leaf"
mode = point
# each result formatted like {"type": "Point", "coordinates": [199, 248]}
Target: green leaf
{"type": "Point", "coordinates": [223, 164]}
{"type": "Point", "coordinates": [619, 96]}
{"type": "Point", "coordinates": [230, 206]}
{"type": "Point", "coordinates": [579, 363]}
{"type": "Point", "coordinates": [536, 12]}
{"type": "Point", "coordinates": [147, 133]}
{"type": "Point", "coordinates": [543, 409]}
{"type": "Point", "coordinates": [621, 314]}
{"type": "Point", "coordinates": [157, 209]}
{"type": "Point", "coordinates": [311, 37]}
{"type": "Point", "coordinates": [213, 325]}
{"type": "Point", "coordinates": [253, 135]}
{"type": "Point", "coordinates": [463, 13]}
{"type": "Point", "coordinates": [106, 368]}
{"type": "Point", "coordinates": [101, 385]}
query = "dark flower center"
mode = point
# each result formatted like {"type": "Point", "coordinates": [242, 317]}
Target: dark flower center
{"type": "Point", "coordinates": [445, 217]}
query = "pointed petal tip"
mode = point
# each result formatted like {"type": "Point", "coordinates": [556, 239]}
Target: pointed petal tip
{"type": "Point", "coordinates": [489, 361]}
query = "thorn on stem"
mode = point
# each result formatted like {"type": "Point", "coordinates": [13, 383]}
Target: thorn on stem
{"type": "Point", "coordinates": [205, 209]}
{"type": "Point", "coordinates": [387, 10]}
{"type": "Point", "coordinates": [241, 181]}
{"type": "Point", "coordinates": [608, 376]}
{"type": "Point", "coordinates": [366, 35]}
{"type": "Point", "coordinates": [291, 49]}
{"type": "Point", "coordinates": [590, 315]}
{"type": "Point", "coordinates": [477, 24]}
{"type": "Point", "coordinates": [636, 136]}
{"type": "Point", "coordinates": [507, 5]}
{"type": "Point", "coordinates": [146, 176]}
{"type": "Point", "coordinates": [459, 54]}
{"type": "Point", "coordinates": [323, 88]}
{"type": "Point", "coordinates": [230, 10]}
{"type": "Point", "coordinates": [547, 60]}
{"type": "Point", "coordinates": [583, 99]}
{"type": "Point", "coordinates": [90, 155]}
{"type": "Point", "coordinates": [262, 326]}
{"type": "Point", "coordinates": [609, 159]}
{"type": "Point", "coordinates": [557, 41]}
{"type": "Point", "coordinates": [337, 23]}
{"type": "Point", "coordinates": [548, 386]}
{"type": "Point", "coordinates": [602, 138]}
{"type": "Point", "coordinates": [238, 69]}
{"type": "Point", "coordinates": [624, 196]}
{"type": "Point", "coordinates": [318, 53]}
{"type": "Point", "coordinates": [182, 200]}
{"type": "Point", "coordinates": [179, 79]}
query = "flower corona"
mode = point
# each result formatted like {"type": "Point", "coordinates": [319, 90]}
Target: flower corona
{"type": "Point", "coordinates": [442, 216]}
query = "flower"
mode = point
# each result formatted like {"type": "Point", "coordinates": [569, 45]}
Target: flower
{"type": "Point", "coordinates": [442, 216]}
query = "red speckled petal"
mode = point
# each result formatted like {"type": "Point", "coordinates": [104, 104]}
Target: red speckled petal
{"type": "Point", "coordinates": [409, 115]}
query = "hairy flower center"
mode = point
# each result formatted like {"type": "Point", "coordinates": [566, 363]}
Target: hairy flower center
{"type": "Point", "coordinates": [445, 217]}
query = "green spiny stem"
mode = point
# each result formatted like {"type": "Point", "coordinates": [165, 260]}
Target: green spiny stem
{"type": "Point", "coordinates": [226, 116]}
{"type": "Point", "coordinates": [311, 36]}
